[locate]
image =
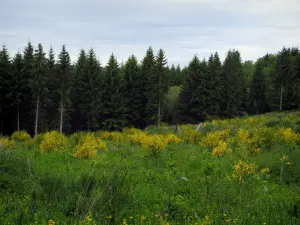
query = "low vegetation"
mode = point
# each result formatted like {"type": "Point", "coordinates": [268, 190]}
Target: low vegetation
{"type": "Point", "coordinates": [238, 171]}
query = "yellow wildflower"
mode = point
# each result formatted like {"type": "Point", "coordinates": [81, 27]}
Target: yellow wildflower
{"type": "Point", "coordinates": [51, 222]}
{"type": "Point", "coordinates": [143, 217]}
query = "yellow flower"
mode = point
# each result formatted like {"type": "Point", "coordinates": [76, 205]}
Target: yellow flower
{"type": "Point", "coordinates": [220, 149]}
{"type": "Point", "coordinates": [227, 220]}
{"type": "Point", "coordinates": [51, 222]}
{"type": "Point", "coordinates": [224, 214]}
{"type": "Point", "coordinates": [289, 163]}
{"type": "Point", "coordinates": [143, 217]}
{"type": "Point", "coordinates": [265, 170]}
{"type": "Point", "coordinates": [284, 158]}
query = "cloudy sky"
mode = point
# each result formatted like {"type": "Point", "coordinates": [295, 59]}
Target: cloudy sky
{"type": "Point", "coordinates": [182, 28]}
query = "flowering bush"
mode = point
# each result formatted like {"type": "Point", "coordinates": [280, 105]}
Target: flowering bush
{"type": "Point", "coordinates": [220, 149]}
{"type": "Point", "coordinates": [212, 139]}
{"type": "Point", "coordinates": [88, 147]}
{"type": "Point", "coordinates": [6, 142]}
{"type": "Point", "coordinates": [20, 136]}
{"type": "Point", "coordinates": [189, 134]}
{"type": "Point", "coordinates": [287, 135]}
{"type": "Point", "coordinates": [172, 138]}
{"type": "Point", "coordinates": [53, 141]}
{"type": "Point", "coordinates": [114, 136]}
{"type": "Point", "coordinates": [242, 170]}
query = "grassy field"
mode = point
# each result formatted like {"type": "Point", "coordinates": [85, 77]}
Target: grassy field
{"type": "Point", "coordinates": [240, 171]}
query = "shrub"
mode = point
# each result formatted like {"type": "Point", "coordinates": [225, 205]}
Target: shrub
{"type": "Point", "coordinates": [7, 143]}
{"type": "Point", "coordinates": [220, 149]}
{"type": "Point", "coordinates": [20, 136]}
{"type": "Point", "coordinates": [212, 139]}
{"type": "Point", "coordinates": [287, 135]}
{"type": "Point", "coordinates": [53, 141]}
{"type": "Point", "coordinates": [243, 170]}
{"type": "Point", "coordinates": [189, 134]}
{"type": "Point", "coordinates": [88, 147]}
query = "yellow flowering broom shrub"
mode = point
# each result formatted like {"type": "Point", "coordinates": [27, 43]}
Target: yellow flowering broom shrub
{"type": "Point", "coordinates": [242, 170]}
{"type": "Point", "coordinates": [20, 136]}
{"type": "Point", "coordinates": [53, 141]}
{"type": "Point", "coordinates": [189, 134]}
{"type": "Point", "coordinates": [114, 136]}
{"type": "Point", "coordinates": [212, 139]}
{"type": "Point", "coordinates": [88, 147]}
{"type": "Point", "coordinates": [220, 149]}
{"type": "Point", "coordinates": [287, 135]}
{"type": "Point", "coordinates": [172, 138]}
{"type": "Point", "coordinates": [7, 143]}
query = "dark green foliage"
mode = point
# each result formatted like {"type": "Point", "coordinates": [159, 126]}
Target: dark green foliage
{"type": "Point", "coordinates": [213, 84]}
{"type": "Point", "coordinates": [53, 94]}
{"type": "Point", "coordinates": [157, 87]}
{"type": "Point", "coordinates": [14, 170]}
{"type": "Point", "coordinates": [114, 108]}
{"type": "Point", "coordinates": [187, 98]}
{"type": "Point", "coordinates": [63, 85]}
{"type": "Point", "coordinates": [258, 101]}
{"type": "Point", "coordinates": [234, 91]}
{"type": "Point", "coordinates": [5, 80]}
{"type": "Point", "coordinates": [132, 92]}
{"type": "Point", "coordinates": [90, 89]}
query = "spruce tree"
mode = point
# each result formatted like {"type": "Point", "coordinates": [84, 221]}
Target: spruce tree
{"type": "Point", "coordinates": [77, 118]}
{"type": "Point", "coordinates": [234, 92]}
{"type": "Point", "coordinates": [28, 73]}
{"type": "Point", "coordinates": [213, 85]}
{"type": "Point", "coordinates": [90, 91]}
{"type": "Point", "coordinates": [17, 88]}
{"type": "Point", "coordinates": [63, 83]}
{"type": "Point", "coordinates": [50, 102]}
{"type": "Point", "coordinates": [5, 78]}
{"type": "Point", "coordinates": [114, 109]}
{"type": "Point", "coordinates": [133, 96]}
{"type": "Point", "coordinates": [147, 67]}
{"type": "Point", "coordinates": [157, 86]}
{"type": "Point", "coordinates": [296, 81]}
{"type": "Point", "coordinates": [258, 101]}
{"type": "Point", "coordinates": [187, 96]}
{"type": "Point", "coordinates": [38, 81]}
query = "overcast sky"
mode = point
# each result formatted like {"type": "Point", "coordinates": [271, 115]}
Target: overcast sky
{"type": "Point", "coordinates": [182, 28]}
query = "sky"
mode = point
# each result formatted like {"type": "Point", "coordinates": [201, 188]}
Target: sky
{"type": "Point", "coordinates": [182, 28]}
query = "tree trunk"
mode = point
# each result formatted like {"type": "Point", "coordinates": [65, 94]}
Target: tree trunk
{"type": "Point", "coordinates": [158, 115]}
{"type": "Point", "coordinates": [1, 134]}
{"type": "Point", "coordinates": [61, 113]}
{"type": "Point", "coordinates": [37, 115]}
{"type": "Point", "coordinates": [18, 117]}
{"type": "Point", "coordinates": [281, 96]}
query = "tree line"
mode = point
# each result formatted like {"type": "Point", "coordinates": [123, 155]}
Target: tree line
{"type": "Point", "coordinates": [41, 92]}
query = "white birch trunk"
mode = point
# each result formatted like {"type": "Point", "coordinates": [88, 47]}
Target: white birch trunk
{"type": "Point", "coordinates": [37, 115]}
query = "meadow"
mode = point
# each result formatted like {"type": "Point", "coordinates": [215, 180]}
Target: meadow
{"type": "Point", "coordinates": [240, 171]}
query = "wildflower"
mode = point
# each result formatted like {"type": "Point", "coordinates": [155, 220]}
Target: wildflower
{"type": "Point", "coordinates": [227, 220]}
{"type": "Point", "coordinates": [265, 170]}
{"type": "Point", "coordinates": [284, 158]}
{"type": "Point", "coordinates": [20, 136]}
{"type": "Point", "coordinates": [53, 141]}
{"type": "Point", "coordinates": [143, 217]}
{"type": "Point", "coordinates": [242, 169]}
{"type": "Point", "coordinates": [220, 149]}
{"type": "Point", "coordinates": [288, 163]}
{"type": "Point", "coordinates": [88, 147]}
{"type": "Point", "coordinates": [51, 222]}
{"type": "Point", "coordinates": [224, 214]}
{"type": "Point", "coordinates": [124, 222]}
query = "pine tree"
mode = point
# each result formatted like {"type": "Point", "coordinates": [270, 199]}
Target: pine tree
{"type": "Point", "coordinates": [234, 93]}
{"type": "Point", "coordinates": [63, 82]}
{"type": "Point", "coordinates": [5, 77]}
{"type": "Point", "coordinates": [90, 91]}
{"type": "Point", "coordinates": [114, 109]}
{"type": "Point", "coordinates": [157, 81]}
{"type": "Point", "coordinates": [133, 96]}
{"type": "Point", "coordinates": [38, 81]}
{"type": "Point", "coordinates": [258, 100]}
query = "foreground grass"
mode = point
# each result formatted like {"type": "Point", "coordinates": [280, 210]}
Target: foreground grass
{"type": "Point", "coordinates": [181, 184]}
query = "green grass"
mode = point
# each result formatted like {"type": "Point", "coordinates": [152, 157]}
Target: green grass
{"type": "Point", "coordinates": [181, 185]}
